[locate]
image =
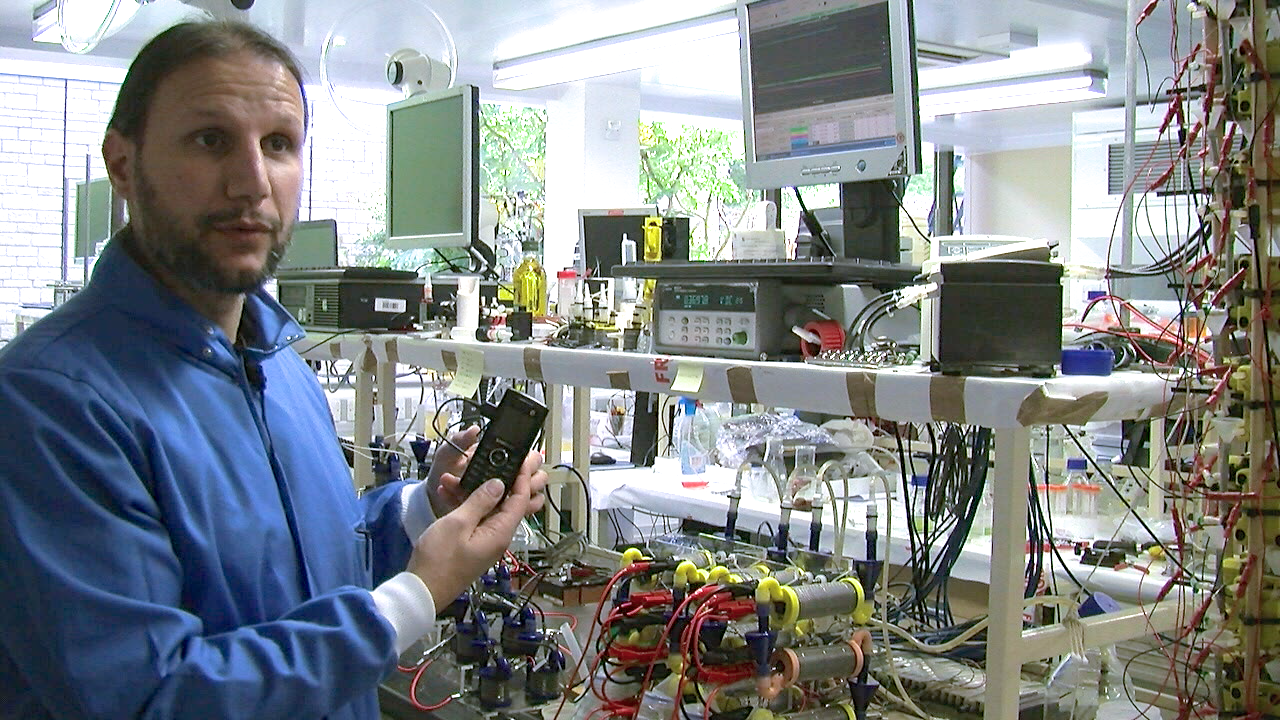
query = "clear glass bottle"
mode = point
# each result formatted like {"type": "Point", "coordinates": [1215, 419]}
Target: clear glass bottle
{"type": "Point", "coordinates": [1084, 494]}
{"type": "Point", "coordinates": [764, 487]}
{"type": "Point", "coordinates": [529, 282]}
{"type": "Point", "coordinates": [983, 518]}
{"type": "Point", "coordinates": [1111, 507]}
{"type": "Point", "coordinates": [1040, 453]}
{"type": "Point", "coordinates": [802, 484]}
{"type": "Point", "coordinates": [1113, 698]}
{"type": "Point", "coordinates": [1072, 688]}
{"type": "Point", "coordinates": [1057, 501]}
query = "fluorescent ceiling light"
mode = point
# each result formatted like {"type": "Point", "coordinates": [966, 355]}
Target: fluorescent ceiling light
{"type": "Point", "coordinates": [1036, 76]}
{"type": "Point", "coordinates": [88, 21]}
{"type": "Point", "coordinates": [607, 56]}
{"type": "Point", "coordinates": [1045, 90]}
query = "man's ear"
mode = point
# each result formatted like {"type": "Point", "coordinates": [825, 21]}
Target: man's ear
{"type": "Point", "coordinates": [119, 154]}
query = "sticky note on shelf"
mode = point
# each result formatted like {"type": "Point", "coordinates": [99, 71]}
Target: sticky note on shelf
{"type": "Point", "coordinates": [466, 379]}
{"type": "Point", "coordinates": [688, 379]}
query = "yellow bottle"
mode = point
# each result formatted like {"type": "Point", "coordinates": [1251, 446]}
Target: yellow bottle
{"type": "Point", "coordinates": [529, 283]}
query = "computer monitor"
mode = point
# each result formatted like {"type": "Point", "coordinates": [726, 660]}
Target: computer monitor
{"type": "Point", "coordinates": [600, 234]}
{"type": "Point", "coordinates": [830, 96]}
{"type": "Point", "coordinates": [433, 170]}
{"type": "Point", "coordinates": [314, 245]}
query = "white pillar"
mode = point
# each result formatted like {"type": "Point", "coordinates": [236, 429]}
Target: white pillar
{"type": "Point", "coordinates": [593, 157]}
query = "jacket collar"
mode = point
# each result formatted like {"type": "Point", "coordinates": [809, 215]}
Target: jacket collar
{"type": "Point", "coordinates": [119, 281]}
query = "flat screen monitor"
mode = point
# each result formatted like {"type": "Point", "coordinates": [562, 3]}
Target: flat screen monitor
{"type": "Point", "coordinates": [314, 245]}
{"type": "Point", "coordinates": [433, 170]}
{"type": "Point", "coordinates": [93, 215]}
{"type": "Point", "coordinates": [600, 234]}
{"type": "Point", "coordinates": [829, 91]}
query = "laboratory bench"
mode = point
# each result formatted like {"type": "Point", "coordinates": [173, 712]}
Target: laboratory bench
{"type": "Point", "coordinates": [1010, 406]}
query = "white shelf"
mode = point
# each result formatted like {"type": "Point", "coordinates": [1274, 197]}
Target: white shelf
{"type": "Point", "coordinates": [901, 395]}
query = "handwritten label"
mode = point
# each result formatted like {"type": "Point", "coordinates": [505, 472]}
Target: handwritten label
{"type": "Point", "coordinates": [688, 378]}
{"type": "Point", "coordinates": [466, 379]}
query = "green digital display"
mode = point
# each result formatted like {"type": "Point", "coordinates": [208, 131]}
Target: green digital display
{"type": "Point", "coordinates": [709, 297]}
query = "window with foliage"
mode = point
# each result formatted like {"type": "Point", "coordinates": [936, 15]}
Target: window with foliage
{"type": "Point", "coordinates": [513, 149]}
{"type": "Point", "coordinates": [699, 172]}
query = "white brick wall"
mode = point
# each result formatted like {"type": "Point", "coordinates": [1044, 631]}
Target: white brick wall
{"type": "Point", "coordinates": [47, 128]}
{"type": "Point", "coordinates": [346, 171]}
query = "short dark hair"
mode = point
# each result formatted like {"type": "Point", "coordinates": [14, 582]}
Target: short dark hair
{"type": "Point", "coordinates": [185, 43]}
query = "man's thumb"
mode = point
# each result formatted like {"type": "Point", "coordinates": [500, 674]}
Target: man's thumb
{"type": "Point", "coordinates": [485, 498]}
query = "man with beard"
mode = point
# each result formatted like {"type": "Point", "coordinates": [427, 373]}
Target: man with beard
{"type": "Point", "coordinates": [177, 524]}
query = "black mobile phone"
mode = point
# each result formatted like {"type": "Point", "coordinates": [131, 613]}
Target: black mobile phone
{"type": "Point", "coordinates": [505, 441]}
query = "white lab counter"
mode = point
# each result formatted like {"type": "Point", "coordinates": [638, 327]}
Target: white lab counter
{"type": "Point", "coordinates": [659, 490]}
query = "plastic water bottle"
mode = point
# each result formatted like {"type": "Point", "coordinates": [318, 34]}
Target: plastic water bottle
{"type": "Point", "coordinates": [919, 493]}
{"type": "Point", "coordinates": [693, 440]}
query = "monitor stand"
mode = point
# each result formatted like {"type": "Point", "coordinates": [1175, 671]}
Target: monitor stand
{"type": "Point", "coordinates": [869, 215]}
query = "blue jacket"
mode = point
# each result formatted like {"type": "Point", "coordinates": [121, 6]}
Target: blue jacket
{"type": "Point", "coordinates": [179, 536]}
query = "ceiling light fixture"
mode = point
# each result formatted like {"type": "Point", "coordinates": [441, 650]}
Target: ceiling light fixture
{"type": "Point", "coordinates": [610, 55]}
{"type": "Point", "coordinates": [1035, 76]}
{"type": "Point", "coordinates": [83, 22]}
{"type": "Point", "coordinates": [44, 23]}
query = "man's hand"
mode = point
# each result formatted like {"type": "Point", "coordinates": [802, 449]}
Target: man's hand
{"type": "Point", "coordinates": [443, 481]}
{"type": "Point", "coordinates": [461, 545]}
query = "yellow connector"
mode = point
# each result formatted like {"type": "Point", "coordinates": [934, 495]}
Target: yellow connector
{"type": "Point", "coordinates": [685, 573]}
{"type": "Point", "coordinates": [630, 556]}
{"type": "Point", "coordinates": [1239, 381]}
{"type": "Point", "coordinates": [1238, 469]}
{"type": "Point", "coordinates": [862, 613]}
{"type": "Point", "coordinates": [1268, 700]}
{"type": "Point", "coordinates": [1270, 530]}
{"type": "Point", "coordinates": [1251, 281]}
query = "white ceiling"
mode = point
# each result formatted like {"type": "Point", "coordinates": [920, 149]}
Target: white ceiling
{"type": "Point", "coordinates": [704, 82]}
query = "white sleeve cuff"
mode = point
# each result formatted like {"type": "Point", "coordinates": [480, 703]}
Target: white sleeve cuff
{"type": "Point", "coordinates": [406, 603]}
{"type": "Point", "coordinates": [416, 514]}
